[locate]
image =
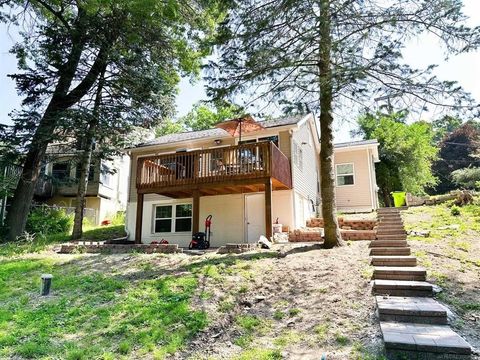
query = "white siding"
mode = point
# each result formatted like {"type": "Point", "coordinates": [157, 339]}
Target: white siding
{"type": "Point", "coordinates": [305, 179]}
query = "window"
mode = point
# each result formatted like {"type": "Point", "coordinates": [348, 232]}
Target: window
{"type": "Point", "coordinates": [345, 174]}
{"type": "Point", "coordinates": [298, 155]}
{"type": "Point", "coordinates": [173, 218]}
{"type": "Point", "coordinates": [61, 171]}
{"type": "Point", "coordinates": [273, 139]}
{"type": "Point", "coordinates": [105, 175]}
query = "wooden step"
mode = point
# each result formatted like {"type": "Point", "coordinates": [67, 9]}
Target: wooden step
{"type": "Point", "coordinates": [396, 223]}
{"type": "Point", "coordinates": [423, 341]}
{"type": "Point", "coordinates": [402, 288]}
{"type": "Point", "coordinates": [411, 310]}
{"type": "Point", "coordinates": [391, 231]}
{"type": "Point", "coordinates": [390, 251]}
{"type": "Point", "coordinates": [407, 273]}
{"type": "Point", "coordinates": [392, 237]}
{"type": "Point", "coordinates": [388, 243]}
{"type": "Point", "coordinates": [394, 260]}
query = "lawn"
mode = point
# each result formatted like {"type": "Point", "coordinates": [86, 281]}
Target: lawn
{"type": "Point", "coordinates": [451, 255]}
{"type": "Point", "coordinates": [40, 243]}
{"type": "Point", "coordinates": [243, 307]}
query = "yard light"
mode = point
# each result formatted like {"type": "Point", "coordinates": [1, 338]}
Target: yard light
{"type": "Point", "coordinates": [46, 284]}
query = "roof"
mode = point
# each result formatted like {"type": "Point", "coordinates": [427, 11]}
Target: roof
{"type": "Point", "coordinates": [356, 143]}
{"type": "Point", "coordinates": [216, 132]}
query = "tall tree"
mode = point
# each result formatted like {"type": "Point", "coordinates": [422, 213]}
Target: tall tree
{"type": "Point", "coordinates": [406, 153]}
{"type": "Point", "coordinates": [444, 126]}
{"type": "Point", "coordinates": [329, 54]}
{"type": "Point", "coordinates": [69, 43]}
{"type": "Point", "coordinates": [458, 150]}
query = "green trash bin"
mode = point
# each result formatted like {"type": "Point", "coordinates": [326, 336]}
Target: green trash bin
{"type": "Point", "coordinates": [399, 198]}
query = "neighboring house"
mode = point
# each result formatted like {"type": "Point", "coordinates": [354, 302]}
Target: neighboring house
{"type": "Point", "coordinates": [106, 191]}
{"type": "Point", "coordinates": [177, 180]}
{"type": "Point", "coordinates": [356, 185]}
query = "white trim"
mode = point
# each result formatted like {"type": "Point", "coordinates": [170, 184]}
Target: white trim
{"type": "Point", "coordinates": [370, 178]}
{"type": "Point", "coordinates": [352, 174]}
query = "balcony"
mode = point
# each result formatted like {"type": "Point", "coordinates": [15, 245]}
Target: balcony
{"type": "Point", "coordinates": [222, 170]}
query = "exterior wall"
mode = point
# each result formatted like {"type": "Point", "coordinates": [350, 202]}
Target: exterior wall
{"type": "Point", "coordinates": [360, 196]}
{"type": "Point", "coordinates": [227, 226]}
{"type": "Point", "coordinates": [305, 180]}
{"type": "Point", "coordinates": [92, 202]}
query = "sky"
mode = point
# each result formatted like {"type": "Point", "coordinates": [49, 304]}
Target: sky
{"type": "Point", "coordinates": [464, 68]}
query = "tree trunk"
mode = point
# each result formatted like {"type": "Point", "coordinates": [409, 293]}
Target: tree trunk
{"type": "Point", "coordinates": [327, 177]}
{"type": "Point", "coordinates": [85, 161]}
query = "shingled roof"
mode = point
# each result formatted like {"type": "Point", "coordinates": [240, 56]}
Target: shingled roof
{"type": "Point", "coordinates": [216, 132]}
{"type": "Point", "coordinates": [356, 143]}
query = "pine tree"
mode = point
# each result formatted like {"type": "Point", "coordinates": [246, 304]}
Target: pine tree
{"type": "Point", "coordinates": [329, 54]}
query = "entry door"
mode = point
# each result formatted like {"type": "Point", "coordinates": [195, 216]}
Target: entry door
{"type": "Point", "coordinates": [254, 216]}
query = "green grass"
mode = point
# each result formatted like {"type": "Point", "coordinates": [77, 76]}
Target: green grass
{"type": "Point", "coordinates": [40, 243]}
{"type": "Point", "coordinates": [96, 315]}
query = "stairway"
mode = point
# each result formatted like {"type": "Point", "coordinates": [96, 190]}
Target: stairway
{"type": "Point", "coordinates": [413, 324]}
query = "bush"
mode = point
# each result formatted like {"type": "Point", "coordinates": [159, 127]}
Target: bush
{"type": "Point", "coordinates": [455, 210]}
{"type": "Point", "coordinates": [47, 221]}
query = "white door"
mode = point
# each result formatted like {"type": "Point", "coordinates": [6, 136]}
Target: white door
{"type": "Point", "coordinates": [254, 216]}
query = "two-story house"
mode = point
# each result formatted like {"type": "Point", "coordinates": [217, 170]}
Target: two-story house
{"type": "Point", "coordinates": [177, 180]}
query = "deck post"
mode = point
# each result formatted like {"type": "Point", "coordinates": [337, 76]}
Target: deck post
{"type": "Point", "coordinates": [139, 219]}
{"type": "Point", "coordinates": [196, 212]}
{"type": "Point", "coordinates": [268, 208]}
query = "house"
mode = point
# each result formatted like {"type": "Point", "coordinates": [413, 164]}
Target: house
{"type": "Point", "coordinates": [177, 180]}
{"type": "Point", "coordinates": [356, 185]}
{"type": "Point", "coordinates": [106, 191]}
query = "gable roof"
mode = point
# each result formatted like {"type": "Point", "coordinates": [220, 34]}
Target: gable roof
{"type": "Point", "coordinates": [355, 143]}
{"type": "Point", "coordinates": [217, 132]}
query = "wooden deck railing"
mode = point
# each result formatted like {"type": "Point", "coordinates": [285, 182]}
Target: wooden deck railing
{"type": "Point", "coordinates": [216, 165]}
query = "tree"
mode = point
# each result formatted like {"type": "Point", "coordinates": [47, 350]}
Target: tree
{"type": "Point", "coordinates": [406, 152]}
{"type": "Point", "coordinates": [203, 116]}
{"type": "Point", "coordinates": [468, 178]}
{"type": "Point", "coordinates": [62, 56]}
{"type": "Point", "coordinates": [445, 125]}
{"type": "Point", "coordinates": [458, 150]}
{"type": "Point", "coordinates": [330, 54]}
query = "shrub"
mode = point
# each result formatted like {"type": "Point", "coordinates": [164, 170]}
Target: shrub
{"type": "Point", "coordinates": [455, 210]}
{"type": "Point", "coordinates": [46, 220]}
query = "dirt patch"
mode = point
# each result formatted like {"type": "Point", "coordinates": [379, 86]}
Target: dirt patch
{"type": "Point", "coordinates": [306, 303]}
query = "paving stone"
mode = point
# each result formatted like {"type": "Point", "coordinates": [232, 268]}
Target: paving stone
{"type": "Point", "coordinates": [390, 251]}
{"type": "Point", "coordinates": [411, 309]}
{"type": "Point", "coordinates": [402, 288]}
{"type": "Point", "coordinates": [394, 260]}
{"type": "Point", "coordinates": [407, 273]}
{"type": "Point", "coordinates": [426, 338]}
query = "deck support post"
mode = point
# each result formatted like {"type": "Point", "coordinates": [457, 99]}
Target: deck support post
{"type": "Point", "coordinates": [139, 219]}
{"type": "Point", "coordinates": [196, 212]}
{"type": "Point", "coordinates": [268, 208]}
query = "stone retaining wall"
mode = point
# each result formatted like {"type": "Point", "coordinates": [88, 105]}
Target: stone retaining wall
{"type": "Point", "coordinates": [315, 234]}
{"type": "Point", "coordinates": [344, 224]}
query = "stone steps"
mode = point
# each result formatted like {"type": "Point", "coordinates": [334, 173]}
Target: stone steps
{"type": "Point", "coordinates": [423, 341]}
{"type": "Point", "coordinates": [402, 288]}
{"type": "Point", "coordinates": [411, 310]}
{"type": "Point", "coordinates": [406, 273]}
{"type": "Point", "coordinates": [388, 243]}
{"type": "Point", "coordinates": [394, 260]}
{"type": "Point", "coordinates": [390, 251]}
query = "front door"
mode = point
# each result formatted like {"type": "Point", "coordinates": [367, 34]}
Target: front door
{"type": "Point", "coordinates": [254, 216]}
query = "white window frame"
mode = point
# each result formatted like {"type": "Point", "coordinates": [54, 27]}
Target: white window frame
{"type": "Point", "coordinates": [349, 174]}
{"type": "Point", "coordinates": [173, 218]}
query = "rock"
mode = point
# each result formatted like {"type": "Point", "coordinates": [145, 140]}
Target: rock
{"type": "Point", "coordinates": [291, 323]}
{"type": "Point", "coordinates": [259, 298]}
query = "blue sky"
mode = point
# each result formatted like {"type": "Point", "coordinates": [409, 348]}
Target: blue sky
{"type": "Point", "coordinates": [464, 68]}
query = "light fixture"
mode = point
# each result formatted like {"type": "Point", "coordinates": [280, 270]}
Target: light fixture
{"type": "Point", "coordinates": [217, 141]}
